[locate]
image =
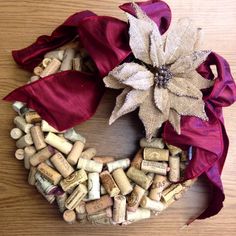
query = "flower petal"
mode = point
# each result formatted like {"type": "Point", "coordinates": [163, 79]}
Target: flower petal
{"type": "Point", "coordinates": [180, 40]}
{"type": "Point", "coordinates": [183, 87]}
{"type": "Point", "coordinates": [127, 102]}
{"type": "Point", "coordinates": [151, 116]}
{"type": "Point", "coordinates": [186, 106]}
{"type": "Point", "coordinates": [189, 63]}
{"type": "Point", "coordinates": [161, 98]}
{"type": "Point", "coordinates": [112, 82]}
{"type": "Point", "coordinates": [174, 119]}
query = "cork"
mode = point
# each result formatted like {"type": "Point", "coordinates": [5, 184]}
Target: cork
{"type": "Point", "coordinates": [49, 173]}
{"type": "Point", "coordinates": [49, 198]}
{"type": "Point", "coordinates": [174, 151]}
{"type": "Point", "coordinates": [154, 143]}
{"type": "Point", "coordinates": [98, 205]}
{"type": "Point", "coordinates": [157, 187]}
{"type": "Point", "coordinates": [61, 199]}
{"type": "Point", "coordinates": [122, 163]}
{"type": "Point", "coordinates": [38, 137]}
{"type": "Point", "coordinates": [32, 117]}
{"type": "Point", "coordinates": [24, 141]}
{"type": "Point", "coordinates": [139, 177]}
{"type": "Point", "coordinates": [16, 133]}
{"type": "Point", "coordinates": [171, 191]}
{"type": "Point", "coordinates": [38, 70]}
{"type": "Point", "coordinates": [89, 153]}
{"type": "Point", "coordinates": [46, 61]}
{"type": "Point", "coordinates": [101, 215]}
{"type": "Point", "coordinates": [155, 154]}
{"type": "Point", "coordinates": [102, 190]}
{"type": "Point", "coordinates": [104, 159]}
{"type": "Point", "coordinates": [122, 181]}
{"type": "Point", "coordinates": [189, 182]}
{"type": "Point", "coordinates": [58, 54]}
{"type": "Point", "coordinates": [73, 180]}
{"type": "Point", "coordinates": [148, 203]}
{"type": "Point", "coordinates": [67, 59]}
{"type": "Point", "coordinates": [134, 198]}
{"type": "Point", "coordinates": [61, 164]}
{"type": "Point", "coordinates": [76, 63]}
{"type": "Point", "coordinates": [42, 155]}
{"type": "Point", "coordinates": [109, 184]}
{"type": "Point", "coordinates": [174, 164]}
{"type": "Point", "coordinates": [76, 197]}
{"type": "Point", "coordinates": [73, 136]}
{"type": "Point", "coordinates": [154, 167]}
{"type": "Point", "coordinates": [184, 156]}
{"type": "Point", "coordinates": [93, 186]}
{"type": "Point", "coordinates": [80, 209]}
{"type": "Point", "coordinates": [48, 128]}
{"type": "Point", "coordinates": [58, 143]}
{"type": "Point", "coordinates": [89, 165]}
{"type": "Point", "coordinates": [33, 78]}
{"type": "Point", "coordinates": [138, 158]}
{"type": "Point", "coordinates": [28, 153]}
{"type": "Point", "coordinates": [19, 154]}
{"type": "Point", "coordinates": [31, 176]}
{"type": "Point", "coordinates": [21, 124]}
{"type": "Point", "coordinates": [52, 68]}
{"type": "Point", "coordinates": [119, 209]}
{"type": "Point", "coordinates": [75, 153]}
{"type": "Point", "coordinates": [139, 214]}
{"type": "Point", "coordinates": [19, 107]}
{"type": "Point", "coordinates": [69, 216]}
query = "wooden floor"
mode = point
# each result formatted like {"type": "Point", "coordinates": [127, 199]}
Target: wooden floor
{"type": "Point", "coordinates": [22, 210]}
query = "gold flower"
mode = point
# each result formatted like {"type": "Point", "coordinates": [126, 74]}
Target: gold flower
{"type": "Point", "coordinates": [162, 80]}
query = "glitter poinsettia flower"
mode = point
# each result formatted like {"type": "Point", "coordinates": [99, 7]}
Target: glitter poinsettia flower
{"type": "Point", "coordinates": [162, 80]}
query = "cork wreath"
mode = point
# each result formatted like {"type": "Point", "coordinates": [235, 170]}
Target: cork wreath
{"type": "Point", "coordinates": [161, 72]}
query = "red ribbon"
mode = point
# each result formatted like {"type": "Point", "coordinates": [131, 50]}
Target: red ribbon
{"type": "Point", "coordinates": [70, 97]}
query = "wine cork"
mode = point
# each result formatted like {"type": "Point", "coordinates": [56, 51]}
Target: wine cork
{"type": "Point", "coordinates": [73, 180]}
{"type": "Point", "coordinates": [67, 59]}
{"type": "Point", "coordinates": [148, 203]}
{"type": "Point", "coordinates": [74, 136]}
{"type": "Point", "coordinates": [109, 184]}
{"type": "Point", "coordinates": [31, 176]}
{"type": "Point", "coordinates": [89, 165]}
{"type": "Point", "coordinates": [28, 153]}
{"type": "Point", "coordinates": [58, 143]}
{"type": "Point", "coordinates": [174, 164]}
{"type": "Point", "coordinates": [154, 143]}
{"type": "Point", "coordinates": [89, 153]}
{"type": "Point", "coordinates": [171, 191]}
{"type": "Point", "coordinates": [104, 160]}
{"type": "Point", "coordinates": [24, 141]}
{"type": "Point", "coordinates": [93, 186]}
{"type": "Point", "coordinates": [61, 164]}
{"type": "Point", "coordinates": [184, 156]}
{"type": "Point", "coordinates": [19, 107]}
{"type": "Point", "coordinates": [58, 54]}
{"type": "Point", "coordinates": [32, 117]}
{"type": "Point", "coordinates": [122, 181]}
{"type": "Point", "coordinates": [38, 138]}
{"type": "Point", "coordinates": [80, 209]}
{"type": "Point", "coordinates": [49, 173]}
{"type": "Point", "coordinates": [52, 68]}
{"type": "Point", "coordinates": [139, 214]}
{"type": "Point", "coordinates": [49, 198]}
{"type": "Point", "coordinates": [134, 198]}
{"type": "Point", "coordinates": [138, 158]}
{"type": "Point", "coordinates": [21, 124]}
{"type": "Point", "coordinates": [76, 63]}
{"type": "Point", "coordinates": [46, 186]}
{"type": "Point", "coordinates": [158, 186]}
{"type": "Point", "coordinates": [38, 70]}
{"type": "Point", "coordinates": [174, 151]}
{"type": "Point", "coordinates": [34, 78]}
{"type": "Point", "coordinates": [139, 177]}
{"type": "Point", "coordinates": [104, 214]}
{"type": "Point", "coordinates": [154, 167]}
{"type": "Point", "coordinates": [61, 199]}
{"type": "Point", "coordinates": [76, 197]}
{"type": "Point", "coordinates": [75, 153]}
{"type": "Point", "coordinates": [46, 61]}
{"type": "Point", "coordinates": [48, 128]}
{"type": "Point", "coordinates": [16, 133]}
{"type": "Point", "coordinates": [119, 209]}
{"type": "Point", "coordinates": [42, 155]}
{"type": "Point", "coordinates": [102, 190]}
{"type": "Point", "coordinates": [98, 205]}
{"type": "Point", "coordinates": [69, 216]}
{"type": "Point", "coordinates": [122, 163]}
{"type": "Point", "coordinates": [189, 182]}
{"type": "Point", "coordinates": [155, 154]}
{"type": "Point", "coordinates": [19, 154]}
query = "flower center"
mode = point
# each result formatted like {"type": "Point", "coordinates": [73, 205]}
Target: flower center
{"type": "Point", "coordinates": [162, 76]}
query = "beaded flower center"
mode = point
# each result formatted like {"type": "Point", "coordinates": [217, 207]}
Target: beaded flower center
{"type": "Point", "coordinates": [162, 76]}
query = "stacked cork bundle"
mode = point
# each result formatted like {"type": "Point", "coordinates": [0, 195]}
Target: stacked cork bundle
{"type": "Point", "coordinates": [87, 187]}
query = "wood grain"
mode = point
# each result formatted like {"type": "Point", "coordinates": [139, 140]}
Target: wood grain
{"type": "Point", "coordinates": [22, 210]}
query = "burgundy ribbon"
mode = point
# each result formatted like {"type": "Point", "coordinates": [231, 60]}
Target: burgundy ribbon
{"type": "Point", "coordinates": [70, 97]}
